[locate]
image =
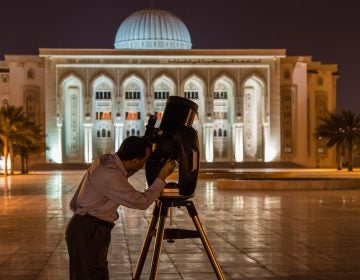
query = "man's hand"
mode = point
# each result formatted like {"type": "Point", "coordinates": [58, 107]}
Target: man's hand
{"type": "Point", "coordinates": [167, 169]}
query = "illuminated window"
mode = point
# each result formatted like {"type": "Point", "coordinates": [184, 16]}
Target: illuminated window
{"type": "Point", "coordinates": [133, 115]}
{"type": "Point", "coordinates": [103, 115]}
{"type": "Point", "coordinates": [220, 115]}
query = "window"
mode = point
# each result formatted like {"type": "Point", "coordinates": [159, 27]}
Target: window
{"type": "Point", "coordinates": [132, 94]}
{"type": "Point", "coordinates": [4, 79]}
{"type": "Point", "coordinates": [320, 81]}
{"type": "Point", "coordinates": [31, 74]}
{"type": "Point", "coordinates": [220, 132]}
{"type": "Point", "coordinates": [132, 115]}
{"type": "Point", "coordinates": [220, 115]}
{"type": "Point", "coordinates": [220, 94]}
{"type": "Point", "coordinates": [103, 95]}
{"type": "Point", "coordinates": [161, 94]}
{"type": "Point", "coordinates": [103, 115]}
{"type": "Point", "coordinates": [103, 133]}
{"type": "Point", "coordinates": [192, 94]}
{"type": "Point", "coordinates": [287, 74]}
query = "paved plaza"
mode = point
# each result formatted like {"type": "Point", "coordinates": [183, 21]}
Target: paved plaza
{"type": "Point", "coordinates": [255, 235]}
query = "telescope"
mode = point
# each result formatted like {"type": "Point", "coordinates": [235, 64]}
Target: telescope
{"type": "Point", "coordinates": [175, 139]}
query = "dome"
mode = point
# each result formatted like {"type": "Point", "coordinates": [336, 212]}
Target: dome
{"type": "Point", "coordinates": [152, 29]}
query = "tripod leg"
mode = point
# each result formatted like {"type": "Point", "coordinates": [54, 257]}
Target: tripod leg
{"type": "Point", "coordinates": [147, 242]}
{"type": "Point", "coordinates": [193, 213]}
{"type": "Point", "coordinates": [158, 241]}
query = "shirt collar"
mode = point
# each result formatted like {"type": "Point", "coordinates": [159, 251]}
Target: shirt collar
{"type": "Point", "coordinates": [120, 165]}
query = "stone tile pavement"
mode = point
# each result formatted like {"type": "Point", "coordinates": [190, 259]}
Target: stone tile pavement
{"type": "Point", "coordinates": [260, 235]}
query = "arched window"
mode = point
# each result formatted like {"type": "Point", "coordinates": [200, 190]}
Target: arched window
{"type": "Point", "coordinates": [31, 74]}
{"type": "Point", "coordinates": [287, 74]}
{"type": "Point", "coordinates": [220, 132]}
{"type": "Point", "coordinates": [225, 133]}
{"type": "Point", "coordinates": [138, 133]}
{"type": "Point", "coordinates": [320, 81]}
{"type": "Point", "coordinates": [4, 79]}
{"type": "Point", "coordinates": [132, 132]}
{"type": "Point", "coordinates": [98, 133]}
{"type": "Point", "coordinates": [127, 133]}
{"type": "Point", "coordinates": [103, 132]}
{"type": "Point", "coordinates": [215, 133]}
{"type": "Point", "coordinates": [108, 134]}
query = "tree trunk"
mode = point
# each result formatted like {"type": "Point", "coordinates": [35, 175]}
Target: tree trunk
{"type": "Point", "coordinates": [22, 164]}
{"type": "Point", "coordinates": [6, 157]}
{"type": "Point", "coordinates": [26, 164]}
{"type": "Point", "coordinates": [12, 161]}
{"type": "Point", "coordinates": [351, 155]}
{"type": "Point", "coordinates": [339, 156]}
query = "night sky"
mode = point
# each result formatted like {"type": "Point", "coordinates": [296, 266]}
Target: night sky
{"type": "Point", "coordinates": [327, 30]}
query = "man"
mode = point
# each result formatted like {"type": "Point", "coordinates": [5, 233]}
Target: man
{"type": "Point", "coordinates": [102, 190]}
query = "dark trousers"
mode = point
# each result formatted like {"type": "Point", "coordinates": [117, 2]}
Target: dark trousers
{"type": "Point", "coordinates": [88, 240]}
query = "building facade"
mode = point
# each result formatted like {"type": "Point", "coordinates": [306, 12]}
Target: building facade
{"type": "Point", "coordinates": [254, 105]}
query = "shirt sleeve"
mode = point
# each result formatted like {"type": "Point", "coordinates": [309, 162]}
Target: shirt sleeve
{"type": "Point", "coordinates": [116, 188]}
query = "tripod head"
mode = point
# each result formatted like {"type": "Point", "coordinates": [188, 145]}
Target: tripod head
{"type": "Point", "coordinates": [175, 139]}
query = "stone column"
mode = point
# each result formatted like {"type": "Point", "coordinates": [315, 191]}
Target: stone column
{"type": "Point", "coordinates": [58, 153]}
{"type": "Point", "coordinates": [208, 141]}
{"type": "Point", "coordinates": [269, 151]}
{"type": "Point", "coordinates": [118, 133]}
{"type": "Point", "coordinates": [238, 144]}
{"type": "Point", "coordinates": [88, 149]}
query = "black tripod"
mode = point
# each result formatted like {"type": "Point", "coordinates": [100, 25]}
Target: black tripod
{"type": "Point", "coordinates": [161, 210]}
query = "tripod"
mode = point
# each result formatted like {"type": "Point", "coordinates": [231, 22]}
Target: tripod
{"type": "Point", "coordinates": [163, 204]}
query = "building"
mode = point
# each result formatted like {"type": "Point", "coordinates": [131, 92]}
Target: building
{"type": "Point", "coordinates": [255, 105]}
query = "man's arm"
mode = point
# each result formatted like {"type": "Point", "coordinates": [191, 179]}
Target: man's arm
{"type": "Point", "coordinates": [118, 189]}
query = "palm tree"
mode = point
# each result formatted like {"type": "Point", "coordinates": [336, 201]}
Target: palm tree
{"type": "Point", "coordinates": [340, 129]}
{"type": "Point", "coordinates": [33, 143]}
{"type": "Point", "coordinates": [12, 131]}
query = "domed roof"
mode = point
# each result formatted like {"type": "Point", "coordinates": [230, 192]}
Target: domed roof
{"type": "Point", "coordinates": [152, 29]}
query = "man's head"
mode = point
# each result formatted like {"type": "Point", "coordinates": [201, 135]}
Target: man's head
{"type": "Point", "coordinates": [133, 152]}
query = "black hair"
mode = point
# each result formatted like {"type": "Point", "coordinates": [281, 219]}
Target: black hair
{"type": "Point", "coordinates": [133, 147]}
